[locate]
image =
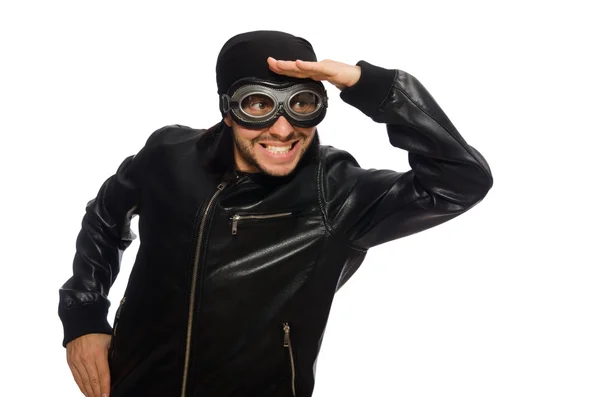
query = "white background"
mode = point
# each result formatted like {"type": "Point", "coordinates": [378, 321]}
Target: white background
{"type": "Point", "coordinates": [502, 301]}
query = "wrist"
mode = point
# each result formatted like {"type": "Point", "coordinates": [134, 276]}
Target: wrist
{"type": "Point", "coordinates": [354, 77]}
{"type": "Point", "coordinates": [371, 89]}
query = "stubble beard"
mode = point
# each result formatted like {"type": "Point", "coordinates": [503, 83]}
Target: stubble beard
{"type": "Point", "coordinates": [247, 152]}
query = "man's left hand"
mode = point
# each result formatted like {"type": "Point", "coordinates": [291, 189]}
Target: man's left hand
{"type": "Point", "coordinates": [339, 74]}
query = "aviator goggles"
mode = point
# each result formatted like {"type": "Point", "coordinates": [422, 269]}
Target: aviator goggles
{"type": "Point", "coordinates": [255, 103]}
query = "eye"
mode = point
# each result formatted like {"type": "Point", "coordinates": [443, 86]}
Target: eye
{"type": "Point", "coordinates": [300, 105]}
{"type": "Point", "coordinates": [304, 102]}
{"type": "Point", "coordinates": [257, 105]}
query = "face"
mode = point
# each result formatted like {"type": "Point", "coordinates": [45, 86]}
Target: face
{"type": "Point", "coordinates": [274, 150]}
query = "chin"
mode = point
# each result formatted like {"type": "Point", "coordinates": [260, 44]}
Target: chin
{"type": "Point", "coordinates": [274, 170]}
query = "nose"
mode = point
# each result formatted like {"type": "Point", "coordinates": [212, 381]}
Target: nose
{"type": "Point", "coordinates": [282, 128]}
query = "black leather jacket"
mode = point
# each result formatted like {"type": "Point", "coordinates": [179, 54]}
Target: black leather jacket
{"type": "Point", "coordinates": [233, 282]}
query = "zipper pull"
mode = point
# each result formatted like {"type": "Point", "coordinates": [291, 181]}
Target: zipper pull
{"type": "Point", "coordinates": [118, 315]}
{"type": "Point", "coordinates": [286, 335]}
{"type": "Point", "coordinates": [120, 306]}
{"type": "Point", "coordinates": [235, 220]}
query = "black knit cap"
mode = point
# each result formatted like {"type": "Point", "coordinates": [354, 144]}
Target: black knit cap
{"type": "Point", "coordinates": [245, 55]}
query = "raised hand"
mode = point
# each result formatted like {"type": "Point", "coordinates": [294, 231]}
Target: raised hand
{"type": "Point", "coordinates": [339, 74]}
{"type": "Point", "coordinates": [87, 357]}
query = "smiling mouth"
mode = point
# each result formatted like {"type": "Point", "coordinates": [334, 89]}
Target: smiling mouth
{"type": "Point", "coordinates": [280, 149]}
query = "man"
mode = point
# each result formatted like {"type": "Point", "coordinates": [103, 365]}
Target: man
{"type": "Point", "coordinates": [250, 227]}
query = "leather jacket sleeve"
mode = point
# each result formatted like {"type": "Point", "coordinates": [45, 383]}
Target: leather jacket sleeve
{"type": "Point", "coordinates": [447, 176]}
{"type": "Point", "coordinates": [105, 234]}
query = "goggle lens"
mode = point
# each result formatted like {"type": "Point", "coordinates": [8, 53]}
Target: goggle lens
{"type": "Point", "coordinates": [304, 103]}
{"type": "Point", "coordinates": [257, 105]}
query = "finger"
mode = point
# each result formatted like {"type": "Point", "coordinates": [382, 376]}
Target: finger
{"type": "Point", "coordinates": [85, 378]}
{"type": "Point", "coordinates": [273, 65]}
{"type": "Point", "coordinates": [315, 67]}
{"type": "Point", "coordinates": [300, 75]}
{"type": "Point", "coordinates": [94, 379]}
{"type": "Point", "coordinates": [75, 372]}
{"type": "Point", "coordinates": [290, 69]}
{"type": "Point", "coordinates": [323, 67]}
{"type": "Point", "coordinates": [288, 72]}
{"type": "Point", "coordinates": [288, 66]}
{"type": "Point", "coordinates": [79, 372]}
{"type": "Point", "coordinates": [90, 377]}
{"type": "Point", "coordinates": [103, 374]}
{"type": "Point", "coordinates": [77, 378]}
{"type": "Point", "coordinates": [291, 73]}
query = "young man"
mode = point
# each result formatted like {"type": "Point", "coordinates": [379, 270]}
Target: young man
{"type": "Point", "coordinates": [250, 227]}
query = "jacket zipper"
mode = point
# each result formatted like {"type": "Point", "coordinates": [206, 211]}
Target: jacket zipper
{"type": "Point", "coordinates": [117, 316]}
{"type": "Point", "coordinates": [236, 218]}
{"type": "Point", "coordinates": [193, 288]}
{"type": "Point", "coordinates": [287, 342]}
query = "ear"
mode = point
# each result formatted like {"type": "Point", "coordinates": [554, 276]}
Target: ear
{"type": "Point", "coordinates": [227, 120]}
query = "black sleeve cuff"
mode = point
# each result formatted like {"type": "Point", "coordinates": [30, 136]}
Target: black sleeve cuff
{"type": "Point", "coordinates": [371, 90]}
{"type": "Point", "coordinates": [82, 320]}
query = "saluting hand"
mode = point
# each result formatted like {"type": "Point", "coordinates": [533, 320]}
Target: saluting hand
{"type": "Point", "coordinates": [339, 74]}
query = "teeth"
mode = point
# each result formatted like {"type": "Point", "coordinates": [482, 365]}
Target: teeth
{"type": "Point", "coordinates": [279, 149]}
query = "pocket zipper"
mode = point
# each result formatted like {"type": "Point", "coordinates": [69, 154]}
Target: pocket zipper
{"type": "Point", "coordinates": [287, 342]}
{"type": "Point", "coordinates": [237, 217]}
{"type": "Point", "coordinates": [117, 315]}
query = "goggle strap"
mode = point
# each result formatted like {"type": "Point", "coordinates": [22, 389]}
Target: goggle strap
{"type": "Point", "coordinates": [226, 103]}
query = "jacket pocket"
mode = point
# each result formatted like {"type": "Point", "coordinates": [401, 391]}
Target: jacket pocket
{"type": "Point", "coordinates": [239, 218]}
{"type": "Point", "coordinates": [287, 343]}
{"type": "Point", "coordinates": [116, 325]}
